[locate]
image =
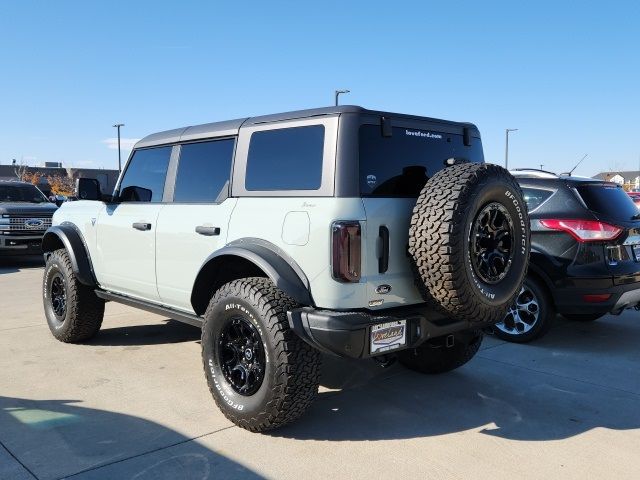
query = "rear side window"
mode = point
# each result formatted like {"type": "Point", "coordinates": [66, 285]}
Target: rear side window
{"type": "Point", "coordinates": [203, 172]}
{"type": "Point", "coordinates": [608, 200]}
{"type": "Point", "coordinates": [146, 173]}
{"type": "Point", "coordinates": [534, 197]}
{"type": "Point", "coordinates": [400, 165]}
{"type": "Point", "coordinates": [285, 159]}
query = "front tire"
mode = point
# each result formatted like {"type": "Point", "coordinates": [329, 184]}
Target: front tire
{"type": "Point", "coordinates": [436, 357]}
{"type": "Point", "coordinates": [260, 374]}
{"type": "Point", "coordinates": [531, 315]}
{"type": "Point", "coordinates": [74, 313]}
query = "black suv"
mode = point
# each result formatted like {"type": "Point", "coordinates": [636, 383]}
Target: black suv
{"type": "Point", "coordinates": [25, 214]}
{"type": "Point", "coordinates": [585, 253]}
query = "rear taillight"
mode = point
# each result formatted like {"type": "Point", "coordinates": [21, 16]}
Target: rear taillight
{"type": "Point", "coordinates": [345, 254]}
{"type": "Point", "coordinates": [584, 230]}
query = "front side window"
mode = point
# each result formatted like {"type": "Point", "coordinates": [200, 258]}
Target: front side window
{"type": "Point", "coordinates": [203, 172]}
{"type": "Point", "coordinates": [146, 173]}
{"type": "Point", "coordinates": [400, 165]}
{"type": "Point", "coordinates": [286, 159]}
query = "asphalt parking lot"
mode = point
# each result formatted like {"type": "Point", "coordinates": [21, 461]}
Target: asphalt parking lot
{"type": "Point", "coordinates": [134, 404]}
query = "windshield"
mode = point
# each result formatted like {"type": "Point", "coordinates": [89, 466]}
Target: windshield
{"type": "Point", "coordinates": [609, 200]}
{"type": "Point", "coordinates": [400, 165]}
{"type": "Point", "coordinates": [21, 193]}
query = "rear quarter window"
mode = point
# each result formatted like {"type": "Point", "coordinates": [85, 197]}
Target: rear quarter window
{"type": "Point", "coordinates": [534, 197]}
{"type": "Point", "coordinates": [285, 159]}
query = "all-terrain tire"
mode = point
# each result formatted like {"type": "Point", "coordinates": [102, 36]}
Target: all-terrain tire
{"type": "Point", "coordinates": [292, 368]}
{"type": "Point", "coordinates": [440, 244]}
{"type": "Point", "coordinates": [74, 313]}
{"type": "Point", "coordinates": [435, 357]}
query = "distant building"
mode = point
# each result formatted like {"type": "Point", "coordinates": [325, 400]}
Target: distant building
{"type": "Point", "coordinates": [107, 178]}
{"type": "Point", "coordinates": [629, 179]}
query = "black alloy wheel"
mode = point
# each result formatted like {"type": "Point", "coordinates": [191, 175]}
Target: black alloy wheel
{"type": "Point", "coordinates": [58, 292]}
{"type": "Point", "coordinates": [491, 243]}
{"type": "Point", "coordinates": [241, 355]}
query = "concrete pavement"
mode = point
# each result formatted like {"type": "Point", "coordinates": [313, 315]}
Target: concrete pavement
{"type": "Point", "coordinates": [133, 403]}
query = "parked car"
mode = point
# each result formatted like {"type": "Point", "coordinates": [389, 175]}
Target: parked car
{"type": "Point", "coordinates": [585, 253]}
{"type": "Point", "coordinates": [288, 235]}
{"type": "Point", "coordinates": [25, 215]}
{"type": "Point", "coordinates": [635, 196]}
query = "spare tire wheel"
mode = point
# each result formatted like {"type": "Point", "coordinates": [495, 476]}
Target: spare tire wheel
{"type": "Point", "coordinates": [469, 241]}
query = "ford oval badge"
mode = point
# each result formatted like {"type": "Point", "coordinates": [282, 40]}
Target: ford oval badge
{"type": "Point", "coordinates": [383, 289]}
{"type": "Point", "coordinates": [33, 223]}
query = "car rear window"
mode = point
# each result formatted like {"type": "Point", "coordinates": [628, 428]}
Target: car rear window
{"type": "Point", "coordinates": [608, 200]}
{"type": "Point", "coordinates": [400, 165]}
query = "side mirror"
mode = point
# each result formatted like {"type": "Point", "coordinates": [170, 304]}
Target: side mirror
{"type": "Point", "coordinates": [135, 194]}
{"type": "Point", "coordinates": [88, 189]}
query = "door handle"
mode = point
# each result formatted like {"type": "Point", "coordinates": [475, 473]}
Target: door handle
{"type": "Point", "coordinates": [207, 231]}
{"type": "Point", "coordinates": [141, 226]}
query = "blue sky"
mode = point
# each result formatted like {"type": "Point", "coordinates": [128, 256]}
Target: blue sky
{"type": "Point", "coordinates": [567, 74]}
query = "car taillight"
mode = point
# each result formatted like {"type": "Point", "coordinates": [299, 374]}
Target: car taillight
{"type": "Point", "coordinates": [584, 230]}
{"type": "Point", "coordinates": [345, 253]}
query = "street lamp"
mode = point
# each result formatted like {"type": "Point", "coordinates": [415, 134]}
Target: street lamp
{"type": "Point", "coordinates": [118, 125]}
{"type": "Point", "coordinates": [338, 92]}
{"type": "Point", "coordinates": [506, 148]}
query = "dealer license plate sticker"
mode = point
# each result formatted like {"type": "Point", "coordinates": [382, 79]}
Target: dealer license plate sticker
{"type": "Point", "coordinates": [388, 336]}
{"type": "Point", "coordinates": [636, 252]}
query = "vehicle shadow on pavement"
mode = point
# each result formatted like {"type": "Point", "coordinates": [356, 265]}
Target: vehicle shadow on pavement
{"type": "Point", "coordinates": [59, 438]}
{"type": "Point", "coordinates": [13, 264]}
{"type": "Point", "coordinates": [170, 331]}
{"type": "Point", "coordinates": [494, 399]}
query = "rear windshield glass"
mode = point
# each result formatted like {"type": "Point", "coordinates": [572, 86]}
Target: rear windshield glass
{"type": "Point", "coordinates": [21, 193]}
{"type": "Point", "coordinates": [609, 200]}
{"type": "Point", "coordinates": [399, 166]}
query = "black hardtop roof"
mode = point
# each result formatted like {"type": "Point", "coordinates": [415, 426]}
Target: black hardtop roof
{"type": "Point", "coordinates": [231, 127]}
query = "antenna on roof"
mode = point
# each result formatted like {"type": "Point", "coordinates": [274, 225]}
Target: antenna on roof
{"type": "Point", "coordinates": [568, 174]}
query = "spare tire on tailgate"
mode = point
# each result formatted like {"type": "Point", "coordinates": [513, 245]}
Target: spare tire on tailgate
{"type": "Point", "coordinates": [469, 241]}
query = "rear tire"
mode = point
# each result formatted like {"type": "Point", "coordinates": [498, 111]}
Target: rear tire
{"type": "Point", "coordinates": [435, 357]}
{"type": "Point", "coordinates": [583, 317]}
{"type": "Point", "coordinates": [523, 323]}
{"type": "Point", "coordinates": [74, 313]}
{"type": "Point", "coordinates": [260, 374]}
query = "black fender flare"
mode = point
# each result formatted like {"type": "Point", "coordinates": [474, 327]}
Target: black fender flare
{"type": "Point", "coordinates": [283, 271]}
{"type": "Point", "coordinates": [67, 235]}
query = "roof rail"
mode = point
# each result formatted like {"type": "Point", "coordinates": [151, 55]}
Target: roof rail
{"type": "Point", "coordinates": [534, 172]}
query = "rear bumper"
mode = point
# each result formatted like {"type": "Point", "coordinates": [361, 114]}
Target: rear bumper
{"type": "Point", "coordinates": [21, 244]}
{"type": "Point", "coordinates": [571, 300]}
{"type": "Point", "coordinates": [347, 334]}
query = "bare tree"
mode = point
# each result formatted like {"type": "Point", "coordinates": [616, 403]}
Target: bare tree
{"type": "Point", "coordinates": [21, 171]}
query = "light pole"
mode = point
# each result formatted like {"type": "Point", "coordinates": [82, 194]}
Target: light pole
{"type": "Point", "coordinates": [338, 92]}
{"type": "Point", "coordinates": [506, 147]}
{"type": "Point", "coordinates": [118, 125]}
